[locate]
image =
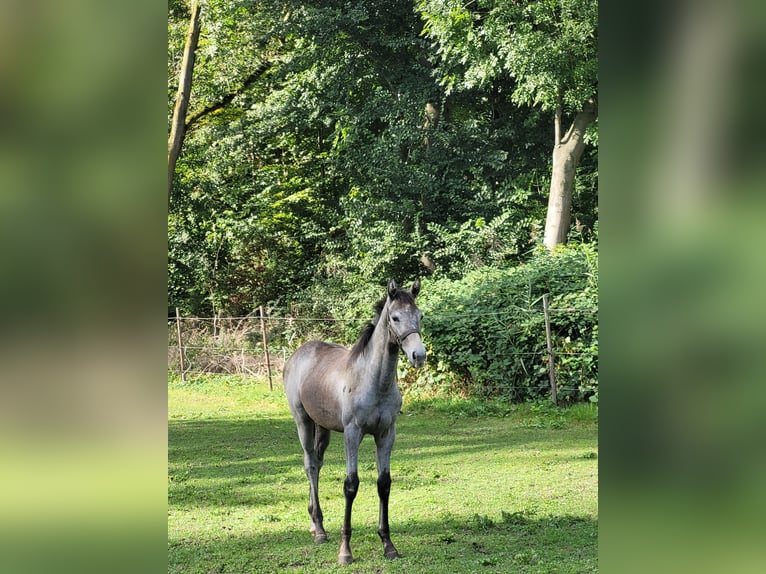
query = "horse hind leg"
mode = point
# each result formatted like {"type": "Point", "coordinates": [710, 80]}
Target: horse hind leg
{"type": "Point", "coordinates": [321, 442]}
{"type": "Point", "coordinates": [307, 432]}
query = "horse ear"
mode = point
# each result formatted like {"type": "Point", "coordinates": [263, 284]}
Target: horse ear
{"type": "Point", "coordinates": [415, 289]}
{"type": "Point", "coordinates": [392, 288]}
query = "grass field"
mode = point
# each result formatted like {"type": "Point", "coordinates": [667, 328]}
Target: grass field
{"type": "Point", "coordinates": [477, 487]}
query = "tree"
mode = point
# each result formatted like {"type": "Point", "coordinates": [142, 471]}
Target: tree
{"type": "Point", "coordinates": [178, 123]}
{"type": "Point", "coordinates": [549, 48]}
{"type": "Point", "coordinates": [322, 153]}
{"type": "Point", "coordinates": [236, 28]}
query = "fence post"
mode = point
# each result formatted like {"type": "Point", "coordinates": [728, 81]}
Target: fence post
{"type": "Point", "coordinates": [551, 372]}
{"type": "Point", "coordinates": [180, 345]}
{"type": "Point", "coordinates": [265, 346]}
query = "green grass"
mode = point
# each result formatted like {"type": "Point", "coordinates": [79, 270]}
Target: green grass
{"type": "Point", "coordinates": [478, 487]}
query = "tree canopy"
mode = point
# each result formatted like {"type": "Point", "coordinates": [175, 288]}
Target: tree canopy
{"type": "Point", "coordinates": [333, 144]}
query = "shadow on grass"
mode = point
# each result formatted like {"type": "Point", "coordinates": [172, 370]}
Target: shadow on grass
{"type": "Point", "coordinates": [214, 445]}
{"type": "Point", "coordinates": [219, 464]}
{"type": "Point", "coordinates": [515, 542]}
{"type": "Point", "coordinates": [232, 462]}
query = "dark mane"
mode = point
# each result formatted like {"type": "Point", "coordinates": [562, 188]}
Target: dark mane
{"type": "Point", "coordinates": [367, 330]}
{"type": "Point", "coordinates": [404, 296]}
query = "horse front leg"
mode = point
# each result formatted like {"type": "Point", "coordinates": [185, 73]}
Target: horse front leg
{"type": "Point", "coordinates": [384, 443]}
{"type": "Point", "coordinates": [352, 437]}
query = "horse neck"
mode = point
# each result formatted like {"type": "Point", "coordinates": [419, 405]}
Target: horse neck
{"type": "Point", "coordinates": [379, 360]}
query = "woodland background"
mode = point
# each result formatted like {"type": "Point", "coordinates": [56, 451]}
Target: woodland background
{"type": "Point", "coordinates": [323, 147]}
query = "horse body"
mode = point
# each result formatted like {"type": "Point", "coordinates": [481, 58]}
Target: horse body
{"type": "Point", "coordinates": [354, 391]}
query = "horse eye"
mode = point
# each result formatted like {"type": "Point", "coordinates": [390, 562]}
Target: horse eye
{"type": "Point", "coordinates": [395, 319]}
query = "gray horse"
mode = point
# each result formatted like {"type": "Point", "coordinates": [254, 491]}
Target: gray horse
{"type": "Point", "coordinates": [331, 388]}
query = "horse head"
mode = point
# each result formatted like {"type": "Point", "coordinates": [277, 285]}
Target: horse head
{"type": "Point", "coordinates": [404, 319]}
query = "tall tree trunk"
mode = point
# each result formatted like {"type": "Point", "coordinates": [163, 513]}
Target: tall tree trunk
{"type": "Point", "coordinates": [433, 114]}
{"type": "Point", "coordinates": [567, 152]}
{"type": "Point", "coordinates": [178, 125]}
{"type": "Point", "coordinates": [430, 124]}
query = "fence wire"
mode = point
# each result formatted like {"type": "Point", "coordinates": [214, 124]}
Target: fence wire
{"type": "Point", "coordinates": [235, 345]}
{"type": "Point", "coordinates": [439, 316]}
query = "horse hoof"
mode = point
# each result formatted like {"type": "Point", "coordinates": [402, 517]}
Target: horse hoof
{"type": "Point", "coordinates": [345, 559]}
{"type": "Point", "coordinates": [318, 534]}
{"type": "Point", "coordinates": [392, 555]}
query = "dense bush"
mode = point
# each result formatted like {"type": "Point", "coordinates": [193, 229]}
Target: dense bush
{"type": "Point", "coordinates": [485, 332]}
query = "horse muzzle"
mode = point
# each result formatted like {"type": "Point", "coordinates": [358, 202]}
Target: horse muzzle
{"type": "Point", "coordinates": [413, 347]}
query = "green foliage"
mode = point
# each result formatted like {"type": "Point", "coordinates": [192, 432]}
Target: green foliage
{"type": "Point", "coordinates": [486, 334]}
{"type": "Point", "coordinates": [322, 176]}
{"type": "Point", "coordinates": [548, 47]}
{"type": "Point", "coordinates": [322, 172]}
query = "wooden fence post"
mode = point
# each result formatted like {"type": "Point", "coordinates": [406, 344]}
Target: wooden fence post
{"type": "Point", "coordinates": [551, 372]}
{"type": "Point", "coordinates": [180, 345]}
{"type": "Point", "coordinates": [265, 346]}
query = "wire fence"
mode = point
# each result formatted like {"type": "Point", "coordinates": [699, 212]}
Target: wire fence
{"type": "Point", "coordinates": [258, 344]}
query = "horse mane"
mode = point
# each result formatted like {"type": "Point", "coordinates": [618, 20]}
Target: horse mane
{"type": "Point", "coordinates": [369, 328]}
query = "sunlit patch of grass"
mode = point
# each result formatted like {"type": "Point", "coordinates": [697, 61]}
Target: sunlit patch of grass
{"type": "Point", "coordinates": [511, 488]}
